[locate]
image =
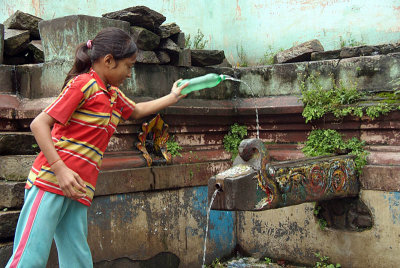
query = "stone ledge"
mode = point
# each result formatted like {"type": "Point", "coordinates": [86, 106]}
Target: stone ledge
{"type": "Point", "coordinates": [381, 177]}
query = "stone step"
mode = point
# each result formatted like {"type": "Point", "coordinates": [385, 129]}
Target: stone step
{"type": "Point", "coordinates": [8, 223]}
{"type": "Point", "coordinates": [7, 78]}
{"type": "Point", "coordinates": [16, 143]}
{"type": "Point", "coordinates": [5, 253]}
{"type": "Point", "coordinates": [11, 194]}
{"type": "Point", "coordinates": [16, 167]}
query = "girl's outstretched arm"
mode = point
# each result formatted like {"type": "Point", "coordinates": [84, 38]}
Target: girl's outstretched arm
{"type": "Point", "coordinates": [143, 109]}
{"type": "Point", "coordinates": [70, 182]}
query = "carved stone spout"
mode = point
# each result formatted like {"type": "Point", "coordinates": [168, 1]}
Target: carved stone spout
{"type": "Point", "coordinates": [254, 183]}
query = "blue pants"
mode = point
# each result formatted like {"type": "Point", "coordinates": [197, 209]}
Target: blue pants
{"type": "Point", "coordinates": [45, 216]}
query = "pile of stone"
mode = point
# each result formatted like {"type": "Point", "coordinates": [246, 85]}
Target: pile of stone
{"type": "Point", "coordinates": [313, 51]}
{"type": "Point", "coordinates": [160, 43]}
{"type": "Point", "coordinates": [22, 43]}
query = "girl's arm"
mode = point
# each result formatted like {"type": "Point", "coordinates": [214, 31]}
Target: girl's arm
{"type": "Point", "coordinates": [70, 182]}
{"type": "Point", "coordinates": [150, 107]}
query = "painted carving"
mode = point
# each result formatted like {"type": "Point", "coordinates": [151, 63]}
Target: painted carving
{"type": "Point", "coordinates": [264, 185]}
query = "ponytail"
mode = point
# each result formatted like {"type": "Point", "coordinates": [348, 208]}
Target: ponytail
{"type": "Point", "coordinates": [110, 40]}
{"type": "Point", "coordinates": [82, 63]}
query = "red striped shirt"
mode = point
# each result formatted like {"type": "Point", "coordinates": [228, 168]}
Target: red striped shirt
{"type": "Point", "coordinates": [87, 114]}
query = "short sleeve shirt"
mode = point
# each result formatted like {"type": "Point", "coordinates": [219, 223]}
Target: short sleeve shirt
{"type": "Point", "coordinates": [87, 114]}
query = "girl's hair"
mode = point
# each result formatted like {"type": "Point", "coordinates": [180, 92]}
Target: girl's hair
{"type": "Point", "coordinates": [110, 40]}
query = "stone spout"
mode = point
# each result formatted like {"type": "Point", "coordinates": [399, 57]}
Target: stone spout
{"type": "Point", "coordinates": [254, 183]}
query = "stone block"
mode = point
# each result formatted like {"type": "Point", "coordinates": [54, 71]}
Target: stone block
{"type": "Point", "coordinates": [145, 39]}
{"type": "Point", "coordinates": [185, 58]}
{"type": "Point", "coordinates": [5, 253]}
{"type": "Point", "coordinates": [29, 77]}
{"type": "Point", "coordinates": [371, 73]}
{"type": "Point", "coordinates": [7, 79]}
{"type": "Point", "coordinates": [179, 39]}
{"type": "Point", "coordinates": [24, 21]}
{"type": "Point", "coordinates": [169, 29]}
{"type": "Point", "coordinates": [11, 194]}
{"type": "Point", "coordinates": [326, 55]}
{"type": "Point", "coordinates": [35, 49]}
{"type": "Point", "coordinates": [204, 57]}
{"type": "Point", "coordinates": [148, 57]}
{"type": "Point", "coordinates": [1, 43]}
{"type": "Point", "coordinates": [15, 41]}
{"type": "Point", "coordinates": [16, 167]}
{"type": "Point", "coordinates": [13, 143]}
{"type": "Point", "coordinates": [61, 36]}
{"type": "Point", "coordinates": [163, 57]}
{"type": "Point", "coordinates": [8, 223]}
{"type": "Point", "coordinates": [381, 178]}
{"type": "Point", "coordinates": [169, 46]}
{"type": "Point", "coordinates": [141, 16]}
{"type": "Point", "coordinates": [124, 181]}
{"type": "Point", "coordinates": [299, 53]}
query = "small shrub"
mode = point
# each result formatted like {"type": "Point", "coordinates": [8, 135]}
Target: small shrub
{"type": "Point", "coordinates": [323, 262]}
{"type": "Point", "coordinates": [173, 147]}
{"type": "Point", "coordinates": [232, 140]}
{"type": "Point", "coordinates": [324, 142]}
{"type": "Point", "coordinates": [198, 42]}
{"type": "Point", "coordinates": [243, 62]}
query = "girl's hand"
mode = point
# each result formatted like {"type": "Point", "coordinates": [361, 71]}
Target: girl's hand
{"type": "Point", "coordinates": [70, 182]}
{"type": "Point", "coordinates": [176, 91]}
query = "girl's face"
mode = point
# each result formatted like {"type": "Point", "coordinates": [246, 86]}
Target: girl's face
{"type": "Point", "coordinates": [120, 70]}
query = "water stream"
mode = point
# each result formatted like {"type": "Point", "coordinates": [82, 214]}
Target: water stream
{"type": "Point", "coordinates": [227, 77]}
{"type": "Point", "coordinates": [208, 218]}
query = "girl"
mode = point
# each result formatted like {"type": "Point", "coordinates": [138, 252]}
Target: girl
{"type": "Point", "coordinates": [73, 133]}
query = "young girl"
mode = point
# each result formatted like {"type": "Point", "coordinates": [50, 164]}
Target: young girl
{"type": "Point", "coordinates": [73, 133]}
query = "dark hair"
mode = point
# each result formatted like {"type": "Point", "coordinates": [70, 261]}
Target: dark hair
{"type": "Point", "coordinates": [110, 40]}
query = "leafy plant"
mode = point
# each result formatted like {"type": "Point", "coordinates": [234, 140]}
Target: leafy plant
{"type": "Point", "coordinates": [243, 62]}
{"type": "Point", "coordinates": [216, 264]}
{"type": "Point", "coordinates": [319, 101]}
{"type": "Point", "coordinates": [268, 57]}
{"type": "Point", "coordinates": [233, 139]}
{"type": "Point", "coordinates": [323, 262]}
{"type": "Point", "coordinates": [173, 147]}
{"type": "Point", "coordinates": [267, 260]}
{"type": "Point", "coordinates": [198, 42]}
{"type": "Point", "coordinates": [378, 110]}
{"type": "Point", "coordinates": [324, 142]}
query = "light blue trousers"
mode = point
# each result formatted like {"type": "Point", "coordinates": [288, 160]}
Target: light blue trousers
{"type": "Point", "coordinates": [45, 216]}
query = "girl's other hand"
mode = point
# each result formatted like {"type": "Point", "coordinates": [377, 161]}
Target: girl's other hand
{"type": "Point", "coordinates": [70, 182]}
{"type": "Point", "coordinates": [176, 91]}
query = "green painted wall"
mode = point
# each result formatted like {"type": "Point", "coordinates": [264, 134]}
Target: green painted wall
{"type": "Point", "coordinates": [252, 25]}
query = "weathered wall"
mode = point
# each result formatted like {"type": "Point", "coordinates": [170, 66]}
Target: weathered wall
{"type": "Point", "coordinates": [255, 25]}
{"type": "Point", "coordinates": [293, 234]}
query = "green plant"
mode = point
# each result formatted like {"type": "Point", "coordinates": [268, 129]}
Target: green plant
{"type": "Point", "coordinates": [339, 99]}
{"type": "Point", "coordinates": [243, 62]}
{"type": "Point", "coordinates": [267, 260]}
{"type": "Point", "coordinates": [349, 42]}
{"type": "Point", "coordinates": [233, 139]}
{"type": "Point", "coordinates": [216, 264]}
{"type": "Point", "coordinates": [378, 110]}
{"type": "Point", "coordinates": [323, 262]}
{"type": "Point", "coordinates": [316, 210]}
{"type": "Point", "coordinates": [173, 147]}
{"type": "Point", "coordinates": [268, 57]}
{"type": "Point", "coordinates": [198, 42]}
{"type": "Point", "coordinates": [328, 141]}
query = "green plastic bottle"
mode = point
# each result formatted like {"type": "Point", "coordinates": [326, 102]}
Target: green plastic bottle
{"type": "Point", "coordinates": [201, 82]}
